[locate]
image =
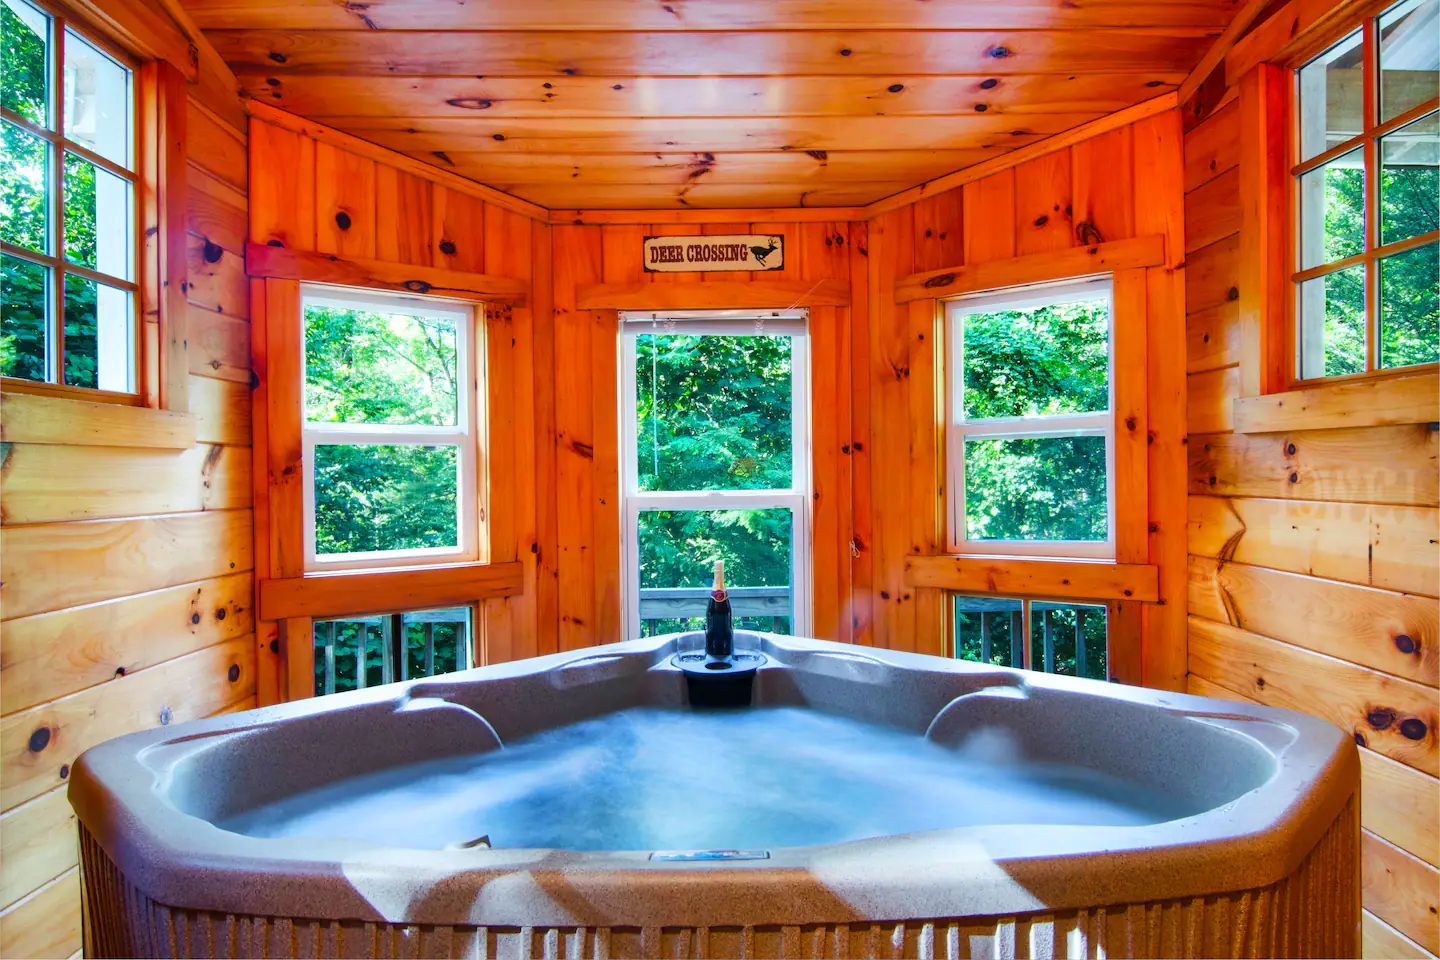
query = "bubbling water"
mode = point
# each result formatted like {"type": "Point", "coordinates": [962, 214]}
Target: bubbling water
{"type": "Point", "coordinates": [650, 778]}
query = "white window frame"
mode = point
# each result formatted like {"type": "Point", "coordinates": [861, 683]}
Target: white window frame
{"type": "Point", "coordinates": [957, 430]}
{"type": "Point", "coordinates": [464, 434]}
{"type": "Point", "coordinates": [791, 323]}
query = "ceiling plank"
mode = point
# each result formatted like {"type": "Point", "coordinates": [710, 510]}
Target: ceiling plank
{"type": "Point", "coordinates": [321, 97]}
{"type": "Point", "coordinates": [898, 53]}
{"type": "Point", "coordinates": [749, 214]}
{"type": "Point", "coordinates": [715, 195]}
{"type": "Point", "coordinates": [678, 15]}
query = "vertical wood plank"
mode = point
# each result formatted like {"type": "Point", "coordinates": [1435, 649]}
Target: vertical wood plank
{"type": "Point", "coordinates": [404, 217]}
{"type": "Point", "coordinates": [924, 378]}
{"type": "Point", "coordinates": [1132, 425]}
{"type": "Point", "coordinates": [173, 109]}
{"type": "Point", "coordinates": [1264, 183]}
{"type": "Point", "coordinates": [577, 260]}
{"type": "Point", "coordinates": [862, 543]}
{"type": "Point", "coordinates": [547, 544]}
{"type": "Point", "coordinates": [1043, 204]}
{"type": "Point", "coordinates": [1159, 208]}
{"type": "Point", "coordinates": [282, 187]}
{"type": "Point", "coordinates": [989, 209]}
{"type": "Point", "coordinates": [267, 660]}
{"type": "Point", "coordinates": [284, 352]}
{"type": "Point", "coordinates": [940, 231]}
{"type": "Point", "coordinates": [1104, 187]}
{"type": "Point", "coordinates": [298, 644]}
{"type": "Point", "coordinates": [344, 203]}
{"type": "Point", "coordinates": [459, 227]}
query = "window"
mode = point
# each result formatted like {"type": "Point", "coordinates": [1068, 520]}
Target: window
{"type": "Point", "coordinates": [67, 189]}
{"type": "Point", "coordinates": [357, 652]}
{"type": "Point", "coordinates": [1067, 638]}
{"type": "Point", "coordinates": [1367, 261]}
{"type": "Point", "coordinates": [389, 431]}
{"type": "Point", "coordinates": [714, 467]}
{"type": "Point", "coordinates": [1030, 428]}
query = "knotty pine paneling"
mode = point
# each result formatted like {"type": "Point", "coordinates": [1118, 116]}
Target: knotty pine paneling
{"type": "Point", "coordinates": [128, 591]}
{"type": "Point", "coordinates": [1314, 569]}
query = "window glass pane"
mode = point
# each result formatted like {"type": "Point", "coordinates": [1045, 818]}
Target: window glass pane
{"type": "Point", "coordinates": [403, 646]}
{"type": "Point", "coordinates": [1410, 307]}
{"type": "Point", "coordinates": [24, 165]}
{"type": "Point", "coordinates": [97, 100]}
{"type": "Point", "coordinates": [990, 630]}
{"type": "Point", "coordinates": [1332, 324]}
{"type": "Point", "coordinates": [99, 336]}
{"type": "Point", "coordinates": [97, 218]}
{"type": "Point", "coordinates": [1332, 210]}
{"type": "Point", "coordinates": [1409, 186]}
{"type": "Point", "coordinates": [24, 77]}
{"type": "Point", "coordinates": [678, 550]}
{"type": "Point", "coordinates": [1409, 56]}
{"type": "Point", "coordinates": [1055, 632]}
{"type": "Point", "coordinates": [23, 342]}
{"type": "Point", "coordinates": [1036, 361]}
{"type": "Point", "coordinates": [383, 497]}
{"type": "Point", "coordinates": [1332, 97]}
{"type": "Point", "coordinates": [1051, 488]}
{"type": "Point", "coordinates": [713, 412]}
{"type": "Point", "coordinates": [380, 366]}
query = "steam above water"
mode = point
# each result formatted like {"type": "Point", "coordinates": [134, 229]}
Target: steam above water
{"type": "Point", "coordinates": [653, 779]}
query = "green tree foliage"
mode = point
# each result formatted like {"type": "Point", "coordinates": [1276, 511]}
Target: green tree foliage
{"type": "Point", "coordinates": [372, 368]}
{"type": "Point", "coordinates": [448, 639]}
{"type": "Point", "coordinates": [23, 178]}
{"type": "Point", "coordinates": [714, 413]}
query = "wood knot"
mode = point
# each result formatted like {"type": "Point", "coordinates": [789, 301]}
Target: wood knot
{"type": "Point", "coordinates": [342, 220]}
{"type": "Point", "coordinates": [470, 103]}
{"type": "Point", "coordinates": [1088, 234]}
{"type": "Point", "coordinates": [234, 672]}
{"type": "Point", "coordinates": [213, 251]}
{"type": "Point", "coordinates": [846, 51]}
{"type": "Point", "coordinates": [1232, 294]}
{"type": "Point", "coordinates": [1041, 220]}
{"type": "Point", "coordinates": [896, 87]}
{"type": "Point", "coordinates": [942, 280]}
{"type": "Point", "coordinates": [999, 53]}
{"type": "Point", "coordinates": [989, 84]}
{"type": "Point", "coordinates": [820, 155]}
{"type": "Point", "coordinates": [40, 739]}
{"type": "Point", "coordinates": [1294, 478]}
{"type": "Point", "coordinates": [278, 57]}
{"type": "Point", "coordinates": [1290, 449]}
{"type": "Point", "coordinates": [447, 247]}
{"type": "Point", "coordinates": [981, 107]}
{"type": "Point", "coordinates": [119, 671]}
{"type": "Point", "coordinates": [1380, 718]}
{"type": "Point", "coordinates": [1405, 643]}
{"type": "Point", "coordinates": [166, 716]}
{"type": "Point", "coordinates": [416, 286]}
{"type": "Point", "coordinates": [1413, 729]}
{"type": "Point", "coordinates": [1129, 423]}
{"type": "Point", "coordinates": [64, 771]}
{"type": "Point", "coordinates": [1360, 738]}
{"type": "Point", "coordinates": [219, 613]}
{"type": "Point", "coordinates": [274, 646]}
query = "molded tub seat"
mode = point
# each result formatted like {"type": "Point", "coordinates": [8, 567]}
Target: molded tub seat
{"type": "Point", "coordinates": [1262, 863]}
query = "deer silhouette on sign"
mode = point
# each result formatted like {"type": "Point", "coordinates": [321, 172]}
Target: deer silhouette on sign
{"type": "Point", "coordinates": [760, 253]}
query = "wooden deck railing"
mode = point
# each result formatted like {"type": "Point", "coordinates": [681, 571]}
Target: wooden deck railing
{"type": "Point", "coordinates": [394, 646]}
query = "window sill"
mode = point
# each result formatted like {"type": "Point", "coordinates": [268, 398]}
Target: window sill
{"type": "Point", "coordinates": [357, 592]}
{"type": "Point", "coordinates": [1378, 401]}
{"type": "Point", "coordinates": [1036, 579]}
{"type": "Point", "coordinates": [38, 416]}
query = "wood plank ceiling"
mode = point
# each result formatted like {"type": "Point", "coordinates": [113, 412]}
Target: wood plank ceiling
{"type": "Point", "coordinates": [707, 103]}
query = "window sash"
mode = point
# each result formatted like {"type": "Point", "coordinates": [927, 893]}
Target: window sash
{"type": "Point", "coordinates": [796, 498]}
{"type": "Point", "coordinates": [53, 258]}
{"type": "Point", "coordinates": [1046, 427]}
{"type": "Point", "coordinates": [1304, 326]}
{"type": "Point", "coordinates": [462, 435]}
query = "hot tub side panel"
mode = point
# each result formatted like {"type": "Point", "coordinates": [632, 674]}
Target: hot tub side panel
{"type": "Point", "coordinates": [1312, 912]}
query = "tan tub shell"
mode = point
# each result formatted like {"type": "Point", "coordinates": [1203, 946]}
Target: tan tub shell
{"type": "Point", "coordinates": [1268, 869]}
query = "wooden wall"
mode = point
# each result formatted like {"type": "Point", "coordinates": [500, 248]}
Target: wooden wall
{"type": "Point", "coordinates": [1314, 569]}
{"type": "Point", "coordinates": [127, 569]}
{"type": "Point", "coordinates": [318, 191]}
{"type": "Point", "coordinates": [1120, 184]}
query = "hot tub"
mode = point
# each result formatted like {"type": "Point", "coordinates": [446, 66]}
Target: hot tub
{"type": "Point", "coordinates": [866, 804]}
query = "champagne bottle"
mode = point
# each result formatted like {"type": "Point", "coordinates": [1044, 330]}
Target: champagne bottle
{"type": "Point", "coordinates": [719, 634]}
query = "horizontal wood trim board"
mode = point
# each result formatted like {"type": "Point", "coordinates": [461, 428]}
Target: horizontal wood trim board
{"type": "Point", "coordinates": [717, 295]}
{"type": "Point", "coordinates": [1357, 403]}
{"type": "Point", "coordinates": [32, 418]}
{"type": "Point", "coordinates": [727, 215]}
{"type": "Point", "coordinates": [323, 134]}
{"type": "Point", "coordinates": [1065, 264]}
{"type": "Point", "coordinates": [388, 591]}
{"type": "Point", "coordinates": [1016, 577]}
{"type": "Point", "coordinates": [279, 263]}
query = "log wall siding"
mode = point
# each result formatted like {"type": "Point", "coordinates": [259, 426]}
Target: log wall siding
{"type": "Point", "coordinates": [127, 597]}
{"type": "Point", "coordinates": [1313, 561]}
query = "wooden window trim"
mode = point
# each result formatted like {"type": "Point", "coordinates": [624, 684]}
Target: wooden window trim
{"type": "Point", "coordinates": [1033, 578]}
{"type": "Point", "coordinates": [158, 137]}
{"type": "Point", "coordinates": [320, 596]}
{"type": "Point", "coordinates": [1270, 315]}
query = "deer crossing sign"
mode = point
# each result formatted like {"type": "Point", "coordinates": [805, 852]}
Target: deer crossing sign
{"type": "Point", "coordinates": [686, 254]}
